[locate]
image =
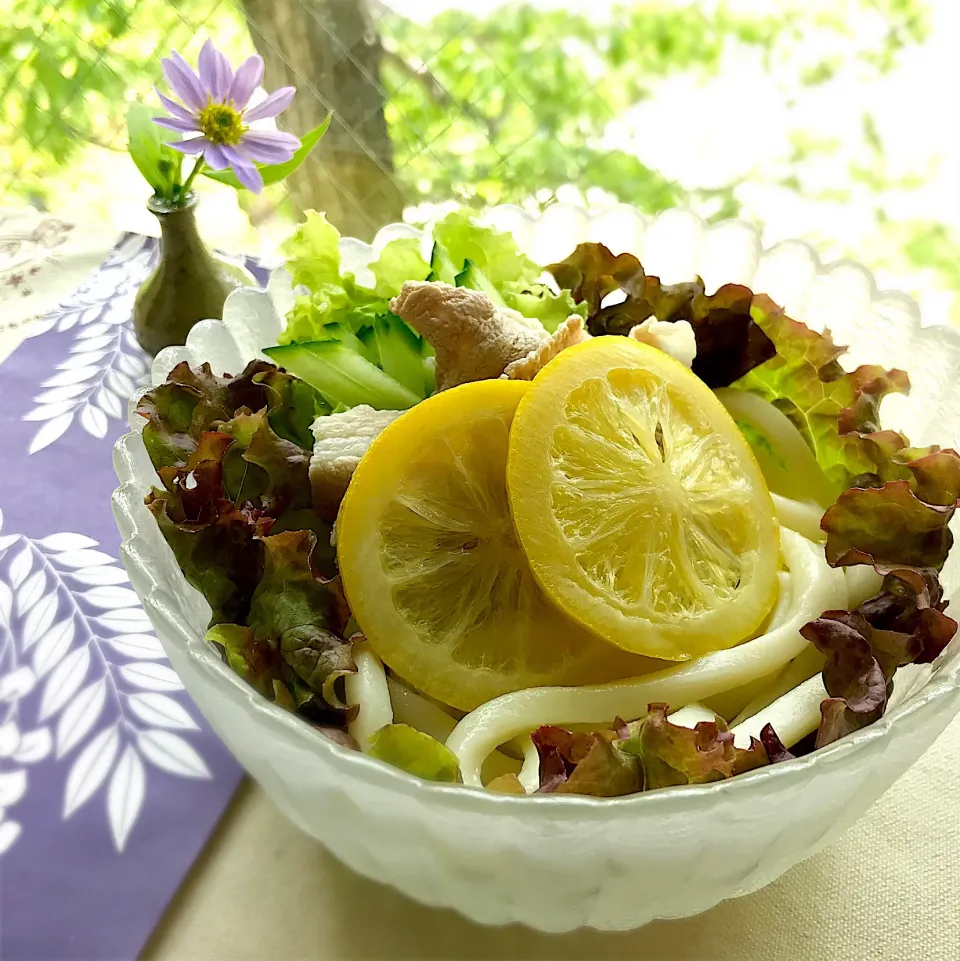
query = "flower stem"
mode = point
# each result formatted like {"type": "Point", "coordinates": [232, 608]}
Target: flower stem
{"type": "Point", "coordinates": [188, 183]}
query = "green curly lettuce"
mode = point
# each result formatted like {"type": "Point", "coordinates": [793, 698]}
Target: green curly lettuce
{"type": "Point", "coordinates": [336, 306]}
{"type": "Point", "coordinates": [493, 251]}
{"type": "Point", "coordinates": [331, 306]}
{"type": "Point", "coordinates": [399, 261]}
{"type": "Point", "coordinates": [512, 275]}
{"type": "Point", "coordinates": [334, 298]}
{"type": "Point", "coordinates": [836, 413]}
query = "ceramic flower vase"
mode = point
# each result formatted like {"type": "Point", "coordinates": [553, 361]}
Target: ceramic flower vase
{"type": "Point", "coordinates": [189, 284]}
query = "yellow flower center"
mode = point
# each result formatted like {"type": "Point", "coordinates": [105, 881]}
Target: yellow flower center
{"type": "Point", "coordinates": [221, 123]}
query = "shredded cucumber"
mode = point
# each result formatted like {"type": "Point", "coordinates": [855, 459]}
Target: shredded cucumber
{"type": "Point", "coordinates": [400, 353]}
{"type": "Point", "coordinates": [442, 268]}
{"type": "Point", "coordinates": [342, 376]}
{"type": "Point", "coordinates": [371, 350]}
{"type": "Point", "coordinates": [473, 277]}
{"type": "Point", "coordinates": [351, 340]}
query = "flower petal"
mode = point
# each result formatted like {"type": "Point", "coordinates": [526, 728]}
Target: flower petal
{"type": "Point", "coordinates": [269, 146]}
{"type": "Point", "coordinates": [225, 76]}
{"type": "Point", "coordinates": [175, 109]}
{"type": "Point", "coordinates": [214, 156]}
{"type": "Point", "coordinates": [250, 177]}
{"type": "Point", "coordinates": [277, 101]}
{"type": "Point", "coordinates": [171, 123]}
{"type": "Point", "coordinates": [195, 146]}
{"type": "Point", "coordinates": [273, 137]}
{"type": "Point", "coordinates": [246, 173]}
{"type": "Point", "coordinates": [215, 71]}
{"type": "Point", "coordinates": [186, 84]}
{"type": "Point", "coordinates": [245, 81]}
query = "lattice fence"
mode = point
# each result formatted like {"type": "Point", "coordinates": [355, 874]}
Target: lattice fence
{"type": "Point", "coordinates": [478, 103]}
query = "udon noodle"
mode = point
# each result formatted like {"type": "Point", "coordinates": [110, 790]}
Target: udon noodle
{"type": "Point", "coordinates": [779, 661]}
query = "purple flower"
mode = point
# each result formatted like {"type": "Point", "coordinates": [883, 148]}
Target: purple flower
{"type": "Point", "coordinates": [214, 105]}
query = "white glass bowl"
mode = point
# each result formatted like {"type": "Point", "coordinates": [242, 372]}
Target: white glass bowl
{"type": "Point", "coordinates": [558, 863]}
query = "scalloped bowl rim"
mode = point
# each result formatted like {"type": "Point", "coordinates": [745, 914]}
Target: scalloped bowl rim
{"type": "Point", "coordinates": [945, 680]}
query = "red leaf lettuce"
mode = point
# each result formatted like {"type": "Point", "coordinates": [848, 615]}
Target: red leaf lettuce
{"type": "Point", "coordinates": [291, 648]}
{"type": "Point", "coordinates": [233, 455]}
{"type": "Point", "coordinates": [648, 753]}
{"type": "Point", "coordinates": [902, 523]}
{"type": "Point", "coordinates": [903, 624]}
{"type": "Point", "coordinates": [729, 342]}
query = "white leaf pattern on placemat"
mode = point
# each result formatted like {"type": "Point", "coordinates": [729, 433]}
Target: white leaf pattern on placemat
{"type": "Point", "coordinates": [82, 558]}
{"type": "Point", "coordinates": [9, 739]}
{"type": "Point", "coordinates": [137, 646]}
{"type": "Point", "coordinates": [110, 597]}
{"type": "Point", "coordinates": [104, 365]}
{"type": "Point", "coordinates": [66, 542]}
{"type": "Point", "coordinates": [91, 768]}
{"type": "Point", "coordinates": [34, 746]}
{"type": "Point", "coordinates": [80, 715]}
{"type": "Point", "coordinates": [83, 682]}
{"type": "Point", "coordinates": [96, 576]}
{"type": "Point", "coordinates": [52, 649]}
{"type": "Point", "coordinates": [9, 832]}
{"type": "Point", "coordinates": [6, 601]}
{"type": "Point", "coordinates": [171, 753]}
{"type": "Point", "coordinates": [125, 795]}
{"type": "Point", "coordinates": [160, 710]}
{"type": "Point", "coordinates": [39, 621]}
{"type": "Point", "coordinates": [31, 591]}
{"type": "Point", "coordinates": [18, 683]}
{"type": "Point", "coordinates": [20, 568]}
{"type": "Point", "coordinates": [13, 786]}
{"type": "Point", "coordinates": [151, 677]}
{"type": "Point", "coordinates": [64, 681]}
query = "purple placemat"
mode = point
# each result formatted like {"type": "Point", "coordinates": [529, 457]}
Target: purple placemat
{"type": "Point", "coordinates": [110, 781]}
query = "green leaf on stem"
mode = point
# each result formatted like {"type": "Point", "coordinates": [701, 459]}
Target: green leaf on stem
{"type": "Point", "coordinates": [157, 161]}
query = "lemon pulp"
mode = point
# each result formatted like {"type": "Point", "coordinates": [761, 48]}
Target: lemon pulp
{"type": "Point", "coordinates": [640, 506]}
{"type": "Point", "coordinates": [433, 569]}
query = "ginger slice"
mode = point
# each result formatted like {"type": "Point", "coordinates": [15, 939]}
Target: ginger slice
{"type": "Point", "coordinates": [473, 339]}
{"type": "Point", "coordinates": [570, 332]}
{"type": "Point", "coordinates": [675, 338]}
{"type": "Point", "coordinates": [340, 440]}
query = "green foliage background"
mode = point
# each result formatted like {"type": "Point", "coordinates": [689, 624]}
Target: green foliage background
{"type": "Point", "coordinates": [512, 106]}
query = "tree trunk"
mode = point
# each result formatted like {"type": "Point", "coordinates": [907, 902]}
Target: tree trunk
{"type": "Point", "coordinates": [329, 50]}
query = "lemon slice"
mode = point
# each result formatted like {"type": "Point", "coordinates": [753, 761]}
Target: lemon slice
{"type": "Point", "coordinates": [641, 508]}
{"type": "Point", "coordinates": [432, 567]}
